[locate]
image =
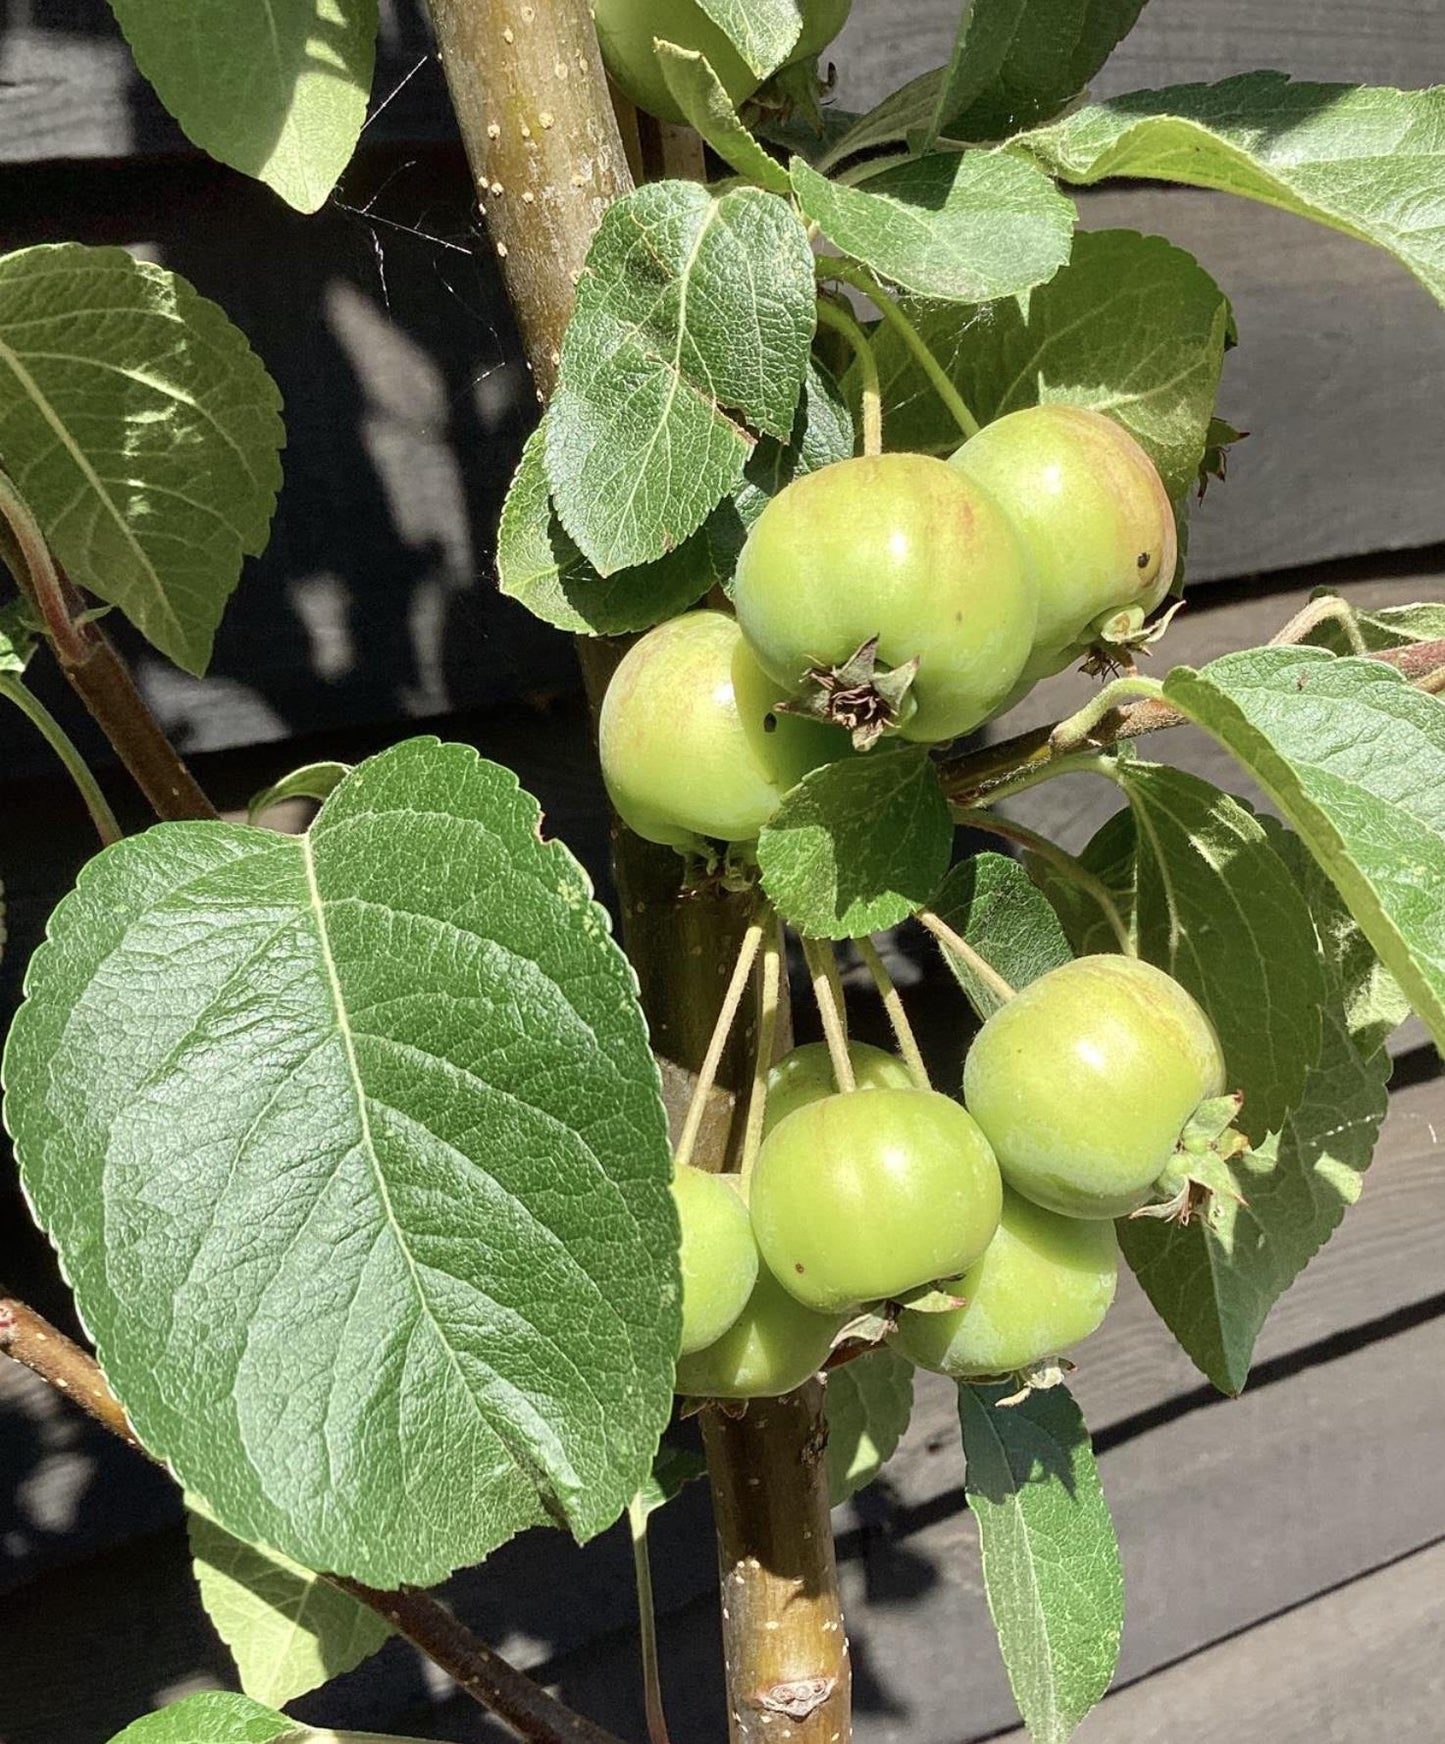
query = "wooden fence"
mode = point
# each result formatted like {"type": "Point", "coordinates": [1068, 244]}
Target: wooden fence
{"type": "Point", "coordinates": [1284, 1554]}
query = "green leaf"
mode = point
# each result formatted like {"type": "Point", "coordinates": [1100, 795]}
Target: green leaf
{"type": "Point", "coordinates": [1389, 627]}
{"type": "Point", "coordinates": [1366, 160]}
{"type": "Point", "coordinates": [673, 1470]}
{"type": "Point", "coordinates": [762, 31]}
{"type": "Point", "coordinates": [275, 88]}
{"type": "Point", "coordinates": [1017, 62]}
{"type": "Point", "coordinates": [288, 1630]}
{"type": "Point", "coordinates": [904, 114]}
{"type": "Point", "coordinates": [352, 1147]}
{"type": "Point", "coordinates": [1371, 1002]}
{"type": "Point", "coordinates": [1050, 1558]}
{"type": "Point", "coordinates": [823, 432]}
{"type": "Point", "coordinates": [965, 227]}
{"type": "Point", "coordinates": [1214, 1281]}
{"type": "Point", "coordinates": [214, 1717]}
{"type": "Point", "coordinates": [538, 565]}
{"type": "Point", "coordinates": [1218, 908]}
{"type": "Point", "coordinates": [1110, 857]}
{"type": "Point", "coordinates": [311, 781]}
{"type": "Point", "coordinates": [1355, 760]}
{"type": "Point", "coordinates": [858, 845]}
{"type": "Point", "coordinates": [868, 1404]}
{"type": "Point", "coordinates": [701, 96]}
{"type": "Point", "coordinates": [991, 903]}
{"type": "Point", "coordinates": [221, 1717]}
{"type": "Point", "coordinates": [694, 317]}
{"type": "Point", "coordinates": [143, 431]}
{"type": "Point", "coordinates": [1132, 327]}
{"type": "Point", "coordinates": [17, 638]}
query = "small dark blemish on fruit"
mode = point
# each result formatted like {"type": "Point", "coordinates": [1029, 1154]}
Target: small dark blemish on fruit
{"type": "Point", "coordinates": [798, 1266]}
{"type": "Point", "coordinates": [1143, 560]}
{"type": "Point", "coordinates": [770, 722]}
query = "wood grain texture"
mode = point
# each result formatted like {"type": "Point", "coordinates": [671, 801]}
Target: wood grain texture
{"type": "Point", "coordinates": [1401, 42]}
{"type": "Point", "coordinates": [69, 89]}
{"type": "Point", "coordinates": [407, 399]}
{"type": "Point", "coordinates": [1313, 1675]}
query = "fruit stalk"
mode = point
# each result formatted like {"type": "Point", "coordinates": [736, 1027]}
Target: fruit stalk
{"type": "Point", "coordinates": [776, 1559]}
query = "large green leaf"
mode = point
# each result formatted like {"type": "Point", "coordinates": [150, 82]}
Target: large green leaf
{"type": "Point", "coordinates": [1050, 1558]}
{"type": "Point", "coordinates": [221, 1717]}
{"type": "Point", "coordinates": [694, 318]}
{"type": "Point", "coordinates": [1371, 1004]}
{"type": "Point", "coordinates": [1109, 856]}
{"type": "Point", "coordinates": [1354, 757]}
{"type": "Point", "coordinates": [991, 903]}
{"type": "Point", "coordinates": [142, 430]}
{"type": "Point", "coordinates": [277, 88]}
{"type": "Point", "coordinates": [1017, 62]}
{"type": "Point", "coordinates": [1218, 908]}
{"type": "Point", "coordinates": [857, 845]}
{"type": "Point", "coordinates": [539, 566]}
{"type": "Point", "coordinates": [964, 227]}
{"type": "Point", "coordinates": [1014, 63]}
{"type": "Point", "coordinates": [1214, 1281]}
{"type": "Point", "coordinates": [1369, 161]}
{"type": "Point", "coordinates": [288, 1630]}
{"type": "Point", "coordinates": [868, 1402]}
{"type": "Point", "coordinates": [1132, 327]}
{"type": "Point", "coordinates": [352, 1147]}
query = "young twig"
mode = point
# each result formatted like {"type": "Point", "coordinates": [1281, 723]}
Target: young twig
{"type": "Point", "coordinates": [897, 1016]}
{"type": "Point", "coordinates": [960, 946]}
{"type": "Point", "coordinates": [1328, 609]}
{"type": "Point", "coordinates": [974, 778]}
{"type": "Point", "coordinates": [97, 673]}
{"type": "Point", "coordinates": [722, 1029]}
{"type": "Point", "coordinates": [1066, 864]}
{"type": "Point", "coordinates": [832, 1011]}
{"type": "Point", "coordinates": [872, 393]}
{"type": "Point", "coordinates": [487, 1678]}
{"type": "Point", "coordinates": [1077, 729]}
{"type": "Point", "coordinates": [29, 1339]}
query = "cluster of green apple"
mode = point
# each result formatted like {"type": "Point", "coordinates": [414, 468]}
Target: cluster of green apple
{"type": "Point", "coordinates": [980, 1236]}
{"type": "Point", "coordinates": [893, 593]}
{"type": "Point", "coordinates": [627, 29]}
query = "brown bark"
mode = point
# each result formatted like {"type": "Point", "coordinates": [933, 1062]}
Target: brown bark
{"type": "Point", "coordinates": [531, 100]}
{"type": "Point", "coordinates": [783, 1635]}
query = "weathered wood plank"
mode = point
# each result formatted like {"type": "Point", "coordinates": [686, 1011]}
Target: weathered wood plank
{"type": "Point", "coordinates": [1401, 42]}
{"type": "Point", "coordinates": [1360, 1662]}
{"type": "Point", "coordinates": [69, 88]}
{"type": "Point", "coordinates": [1225, 1519]}
{"type": "Point", "coordinates": [908, 1567]}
